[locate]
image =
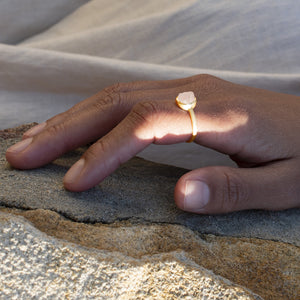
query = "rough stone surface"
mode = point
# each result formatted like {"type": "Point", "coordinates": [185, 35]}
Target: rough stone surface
{"type": "Point", "coordinates": [125, 239]}
{"type": "Point", "coordinates": [36, 266]}
{"type": "Point", "coordinates": [266, 267]}
{"type": "Point", "coordinates": [139, 190]}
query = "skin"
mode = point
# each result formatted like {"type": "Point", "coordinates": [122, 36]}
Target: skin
{"type": "Point", "coordinates": [258, 129]}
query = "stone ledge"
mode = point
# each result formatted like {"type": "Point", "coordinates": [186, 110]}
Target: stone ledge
{"type": "Point", "coordinates": [125, 239]}
{"type": "Point", "coordinates": [139, 190]}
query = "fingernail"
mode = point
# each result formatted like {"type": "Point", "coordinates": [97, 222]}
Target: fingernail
{"type": "Point", "coordinates": [75, 171]}
{"type": "Point", "coordinates": [36, 129]}
{"type": "Point", "coordinates": [20, 146]}
{"type": "Point", "coordinates": [196, 195]}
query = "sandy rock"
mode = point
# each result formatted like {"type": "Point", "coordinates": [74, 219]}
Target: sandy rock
{"type": "Point", "coordinates": [267, 268]}
{"type": "Point", "coordinates": [34, 265]}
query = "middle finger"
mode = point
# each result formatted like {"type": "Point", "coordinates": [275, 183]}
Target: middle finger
{"type": "Point", "coordinates": [82, 127]}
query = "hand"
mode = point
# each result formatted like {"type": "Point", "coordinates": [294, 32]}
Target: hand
{"type": "Point", "coordinates": [258, 129]}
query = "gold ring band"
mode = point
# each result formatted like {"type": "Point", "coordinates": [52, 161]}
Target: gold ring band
{"type": "Point", "coordinates": [187, 101]}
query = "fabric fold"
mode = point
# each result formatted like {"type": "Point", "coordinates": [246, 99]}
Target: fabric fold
{"type": "Point", "coordinates": [71, 49]}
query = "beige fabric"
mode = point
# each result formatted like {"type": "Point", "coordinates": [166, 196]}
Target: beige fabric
{"type": "Point", "coordinates": [55, 53]}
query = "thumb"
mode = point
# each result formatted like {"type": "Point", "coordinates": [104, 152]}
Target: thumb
{"type": "Point", "coordinates": [214, 190]}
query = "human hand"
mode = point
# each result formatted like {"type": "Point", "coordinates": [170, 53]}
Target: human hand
{"type": "Point", "coordinates": [258, 129]}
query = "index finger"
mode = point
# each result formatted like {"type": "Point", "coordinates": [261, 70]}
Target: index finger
{"type": "Point", "coordinates": [159, 122]}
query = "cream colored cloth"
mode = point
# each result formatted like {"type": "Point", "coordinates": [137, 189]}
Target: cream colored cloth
{"type": "Point", "coordinates": [55, 53]}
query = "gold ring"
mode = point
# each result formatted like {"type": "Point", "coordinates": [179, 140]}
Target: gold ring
{"type": "Point", "coordinates": [187, 101]}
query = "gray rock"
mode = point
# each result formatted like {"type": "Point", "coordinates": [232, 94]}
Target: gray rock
{"type": "Point", "coordinates": [139, 191]}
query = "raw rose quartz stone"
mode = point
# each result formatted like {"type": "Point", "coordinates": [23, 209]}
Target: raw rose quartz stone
{"type": "Point", "coordinates": [186, 97]}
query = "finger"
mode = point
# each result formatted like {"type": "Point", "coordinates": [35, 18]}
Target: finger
{"type": "Point", "coordinates": [215, 190]}
{"type": "Point", "coordinates": [107, 97]}
{"type": "Point", "coordinates": [148, 122]}
{"type": "Point", "coordinates": [113, 92]}
{"type": "Point", "coordinates": [79, 129]}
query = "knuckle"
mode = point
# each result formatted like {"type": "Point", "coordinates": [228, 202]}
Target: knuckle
{"type": "Point", "coordinates": [113, 89]}
{"type": "Point", "coordinates": [234, 192]}
{"type": "Point", "coordinates": [95, 153]}
{"type": "Point", "coordinates": [205, 77]}
{"type": "Point", "coordinates": [143, 112]}
{"type": "Point", "coordinates": [57, 133]}
{"type": "Point", "coordinates": [109, 96]}
{"type": "Point", "coordinates": [56, 129]}
{"type": "Point", "coordinates": [206, 84]}
{"type": "Point", "coordinates": [92, 154]}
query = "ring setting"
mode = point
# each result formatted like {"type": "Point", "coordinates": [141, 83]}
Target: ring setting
{"type": "Point", "coordinates": [187, 101]}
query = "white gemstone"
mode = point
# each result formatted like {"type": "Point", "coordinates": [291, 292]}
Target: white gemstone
{"type": "Point", "coordinates": [186, 98]}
